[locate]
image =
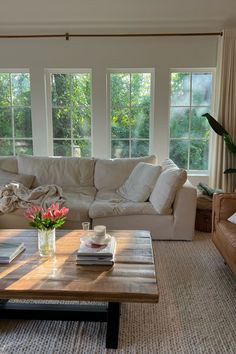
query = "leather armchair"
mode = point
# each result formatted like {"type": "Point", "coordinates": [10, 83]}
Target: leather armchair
{"type": "Point", "coordinates": [223, 231]}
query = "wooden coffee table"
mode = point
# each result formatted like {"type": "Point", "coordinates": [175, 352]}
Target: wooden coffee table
{"type": "Point", "coordinates": [30, 277]}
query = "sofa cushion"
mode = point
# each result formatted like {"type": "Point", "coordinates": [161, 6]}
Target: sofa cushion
{"type": "Point", "coordinates": [63, 171]}
{"type": "Point", "coordinates": [9, 164]}
{"type": "Point", "coordinates": [8, 177]}
{"type": "Point", "coordinates": [79, 202]}
{"type": "Point", "coordinates": [109, 203]}
{"type": "Point", "coordinates": [168, 164]}
{"type": "Point", "coordinates": [111, 174]}
{"type": "Point", "coordinates": [232, 218]}
{"type": "Point", "coordinates": [140, 182]}
{"type": "Point", "coordinates": [168, 183]}
{"type": "Point", "coordinates": [224, 238]}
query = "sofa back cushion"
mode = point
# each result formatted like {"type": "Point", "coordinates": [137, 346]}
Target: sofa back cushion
{"type": "Point", "coordinates": [140, 182]}
{"type": "Point", "coordinates": [63, 171]}
{"type": "Point", "coordinates": [7, 177]}
{"type": "Point", "coordinates": [111, 174]}
{"type": "Point", "coordinates": [9, 164]}
{"type": "Point", "coordinates": [168, 183]}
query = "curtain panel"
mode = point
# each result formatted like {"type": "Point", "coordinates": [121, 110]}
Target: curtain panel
{"type": "Point", "coordinates": [225, 113]}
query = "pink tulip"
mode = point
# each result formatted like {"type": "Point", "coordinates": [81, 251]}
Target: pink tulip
{"type": "Point", "coordinates": [64, 211]}
{"type": "Point", "coordinates": [28, 214]}
{"type": "Point", "coordinates": [57, 213]}
{"type": "Point", "coordinates": [31, 212]}
{"type": "Point", "coordinates": [55, 206]}
{"type": "Point", "coordinates": [38, 216]}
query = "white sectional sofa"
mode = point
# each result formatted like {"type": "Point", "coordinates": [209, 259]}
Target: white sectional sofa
{"type": "Point", "coordinates": [90, 187]}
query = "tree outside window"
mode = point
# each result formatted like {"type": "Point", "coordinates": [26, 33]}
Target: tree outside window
{"type": "Point", "coordinates": [130, 110]}
{"type": "Point", "coordinates": [15, 114]}
{"type": "Point", "coordinates": [71, 114]}
{"type": "Point", "coordinates": [191, 96]}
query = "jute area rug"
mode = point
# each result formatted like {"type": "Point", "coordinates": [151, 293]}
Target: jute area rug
{"type": "Point", "coordinates": [196, 312]}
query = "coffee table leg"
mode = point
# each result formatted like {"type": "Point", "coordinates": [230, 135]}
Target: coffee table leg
{"type": "Point", "coordinates": [3, 301]}
{"type": "Point", "coordinates": [113, 321]}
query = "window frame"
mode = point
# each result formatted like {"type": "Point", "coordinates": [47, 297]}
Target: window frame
{"type": "Point", "coordinates": [211, 70]}
{"type": "Point", "coordinates": [48, 92]}
{"type": "Point", "coordinates": [108, 103]}
{"type": "Point", "coordinates": [19, 71]}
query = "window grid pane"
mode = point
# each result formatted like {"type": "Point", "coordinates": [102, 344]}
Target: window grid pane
{"type": "Point", "coordinates": [189, 132]}
{"type": "Point", "coordinates": [15, 114]}
{"type": "Point", "coordinates": [71, 114]}
{"type": "Point", "coordinates": [130, 109]}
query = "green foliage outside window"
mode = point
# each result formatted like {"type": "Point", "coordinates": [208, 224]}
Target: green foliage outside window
{"type": "Point", "coordinates": [15, 114]}
{"type": "Point", "coordinates": [130, 95]}
{"type": "Point", "coordinates": [189, 133]}
{"type": "Point", "coordinates": [71, 114]}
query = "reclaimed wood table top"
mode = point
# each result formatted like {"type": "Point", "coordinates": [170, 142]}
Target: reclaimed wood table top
{"type": "Point", "coordinates": [29, 276]}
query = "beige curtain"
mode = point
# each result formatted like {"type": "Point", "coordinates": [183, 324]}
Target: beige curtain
{"type": "Point", "coordinates": [226, 114]}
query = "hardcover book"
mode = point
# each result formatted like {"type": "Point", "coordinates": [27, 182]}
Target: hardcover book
{"type": "Point", "coordinates": [8, 251]}
{"type": "Point", "coordinates": [90, 254]}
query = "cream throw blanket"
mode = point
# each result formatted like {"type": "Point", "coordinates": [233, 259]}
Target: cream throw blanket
{"type": "Point", "coordinates": [16, 195]}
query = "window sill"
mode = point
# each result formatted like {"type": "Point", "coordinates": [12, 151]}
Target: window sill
{"type": "Point", "coordinates": [198, 174]}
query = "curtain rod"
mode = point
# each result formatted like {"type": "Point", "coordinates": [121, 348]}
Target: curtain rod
{"type": "Point", "coordinates": [67, 35]}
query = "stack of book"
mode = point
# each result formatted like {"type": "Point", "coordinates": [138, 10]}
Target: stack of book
{"type": "Point", "coordinates": [8, 251]}
{"type": "Point", "coordinates": [93, 254]}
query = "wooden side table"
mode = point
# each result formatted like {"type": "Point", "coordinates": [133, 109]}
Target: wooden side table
{"type": "Point", "coordinates": [203, 214]}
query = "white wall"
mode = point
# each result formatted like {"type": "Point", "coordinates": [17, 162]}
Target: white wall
{"type": "Point", "coordinates": [100, 54]}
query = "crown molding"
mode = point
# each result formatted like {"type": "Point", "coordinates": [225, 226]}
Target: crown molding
{"type": "Point", "coordinates": [112, 26]}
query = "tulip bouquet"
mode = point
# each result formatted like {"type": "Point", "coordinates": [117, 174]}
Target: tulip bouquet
{"type": "Point", "coordinates": [48, 219]}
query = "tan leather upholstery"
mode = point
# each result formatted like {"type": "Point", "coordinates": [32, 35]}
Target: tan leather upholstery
{"type": "Point", "coordinates": [224, 232]}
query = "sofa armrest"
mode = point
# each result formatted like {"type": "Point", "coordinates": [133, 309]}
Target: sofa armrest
{"type": "Point", "coordinates": [184, 210]}
{"type": "Point", "coordinates": [224, 205]}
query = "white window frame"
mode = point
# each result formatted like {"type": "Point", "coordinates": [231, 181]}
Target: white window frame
{"type": "Point", "coordinates": [48, 72]}
{"type": "Point", "coordinates": [195, 70]}
{"type": "Point", "coordinates": [19, 71]}
{"type": "Point", "coordinates": [108, 95]}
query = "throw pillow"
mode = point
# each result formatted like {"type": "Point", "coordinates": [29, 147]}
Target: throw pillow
{"type": "Point", "coordinates": [232, 218]}
{"type": "Point", "coordinates": [140, 183]}
{"type": "Point", "coordinates": [167, 164]}
{"type": "Point", "coordinates": [112, 173]}
{"type": "Point", "coordinates": [8, 177]}
{"type": "Point", "coordinates": [167, 185]}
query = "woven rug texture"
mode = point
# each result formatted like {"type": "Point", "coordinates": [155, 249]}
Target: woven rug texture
{"type": "Point", "coordinates": [196, 313]}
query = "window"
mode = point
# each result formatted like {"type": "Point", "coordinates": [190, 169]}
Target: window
{"type": "Point", "coordinates": [130, 113]}
{"type": "Point", "coordinates": [15, 114]}
{"type": "Point", "coordinates": [71, 113]}
{"type": "Point", "coordinates": [191, 96]}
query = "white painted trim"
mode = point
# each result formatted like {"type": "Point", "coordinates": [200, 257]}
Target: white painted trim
{"type": "Point", "coordinates": [152, 107]}
{"type": "Point", "coordinates": [49, 110]}
{"type": "Point", "coordinates": [14, 70]}
{"type": "Point", "coordinates": [68, 70]}
{"type": "Point", "coordinates": [108, 110]}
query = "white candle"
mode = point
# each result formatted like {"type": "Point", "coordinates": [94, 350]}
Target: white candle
{"type": "Point", "coordinates": [100, 230]}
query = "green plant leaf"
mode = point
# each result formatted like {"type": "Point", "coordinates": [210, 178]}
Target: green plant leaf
{"type": "Point", "coordinates": [229, 143]}
{"type": "Point", "coordinates": [230, 170]}
{"type": "Point", "coordinates": [216, 126]}
{"type": "Point", "coordinates": [218, 129]}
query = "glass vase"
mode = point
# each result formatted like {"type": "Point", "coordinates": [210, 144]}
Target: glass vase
{"type": "Point", "coordinates": [46, 242]}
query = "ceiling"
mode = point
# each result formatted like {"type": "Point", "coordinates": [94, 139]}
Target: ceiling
{"type": "Point", "coordinates": [116, 15]}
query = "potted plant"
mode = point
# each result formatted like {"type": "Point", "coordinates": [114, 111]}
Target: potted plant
{"type": "Point", "coordinates": [220, 130]}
